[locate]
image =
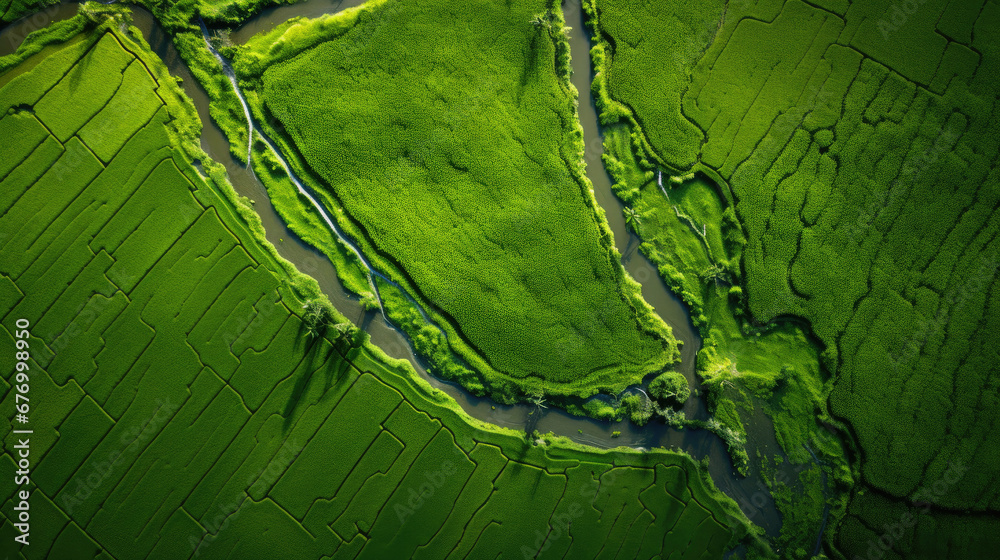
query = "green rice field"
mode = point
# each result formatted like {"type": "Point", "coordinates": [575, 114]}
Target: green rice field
{"type": "Point", "coordinates": [815, 180]}
{"type": "Point", "coordinates": [458, 167]}
{"type": "Point", "coordinates": [844, 178]}
{"type": "Point", "coordinates": [183, 411]}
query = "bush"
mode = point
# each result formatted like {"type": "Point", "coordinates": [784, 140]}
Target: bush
{"type": "Point", "coordinates": [638, 408]}
{"type": "Point", "coordinates": [670, 387]}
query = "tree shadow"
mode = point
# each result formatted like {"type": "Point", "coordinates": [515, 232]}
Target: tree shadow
{"type": "Point", "coordinates": [340, 362]}
{"type": "Point", "coordinates": [530, 63]}
{"type": "Point", "coordinates": [313, 347]}
{"type": "Point", "coordinates": [366, 318]}
{"type": "Point", "coordinates": [630, 248]}
{"type": "Point", "coordinates": [327, 349]}
{"type": "Point", "coordinates": [531, 420]}
{"type": "Point", "coordinates": [74, 77]}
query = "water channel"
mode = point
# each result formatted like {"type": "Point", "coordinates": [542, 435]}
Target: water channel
{"type": "Point", "coordinates": [755, 500]}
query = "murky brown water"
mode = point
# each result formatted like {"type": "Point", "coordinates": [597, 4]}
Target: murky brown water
{"type": "Point", "coordinates": [755, 500]}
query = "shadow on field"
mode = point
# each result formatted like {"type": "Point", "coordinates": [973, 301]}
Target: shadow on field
{"type": "Point", "coordinates": [320, 354]}
{"type": "Point", "coordinates": [76, 72]}
{"type": "Point", "coordinates": [339, 364]}
{"type": "Point", "coordinates": [530, 62]}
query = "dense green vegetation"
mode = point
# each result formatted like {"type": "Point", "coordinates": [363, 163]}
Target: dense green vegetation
{"type": "Point", "coordinates": [854, 150]}
{"type": "Point", "coordinates": [174, 14]}
{"type": "Point", "coordinates": [13, 9]}
{"type": "Point", "coordinates": [844, 160]}
{"type": "Point", "coordinates": [197, 396]}
{"type": "Point", "coordinates": [305, 222]}
{"type": "Point", "coordinates": [670, 387]}
{"type": "Point", "coordinates": [458, 166]}
{"type": "Point", "coordinates": [747, 371]}
{"type": "Point", "coordinates": [655, 45]}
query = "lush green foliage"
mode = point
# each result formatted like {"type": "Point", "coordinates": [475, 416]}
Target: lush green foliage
{"type": "Point", "coordinates": [428, 340]}
{"type": "Point", "coordinates": [857, 151]}
{"type": "Point", "coordinates": [670, 388]}
{"type": "Point", "coordinates": [14, 9]}
{"type": "Point", "coordinates": [175, 15]}
{"type": "Point", "coordinates": [747, 371]}
{"type": "Point", "coordinates": [458, 167]}
{"type": "Point", "coordinates": [188, 411]}
{"type": "Point", "coordinates": [304, 221]}
{"type": "Point", "coordinates": [638, 409]}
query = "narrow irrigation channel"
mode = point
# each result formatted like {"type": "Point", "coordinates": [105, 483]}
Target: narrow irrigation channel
{"type": "Point", "coordinates": [305, 191]}
{"type": "Point", "coordinates": [752, 496]}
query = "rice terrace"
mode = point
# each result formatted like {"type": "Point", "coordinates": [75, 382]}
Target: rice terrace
{"type": "Point", "coordinates": [387, 279]}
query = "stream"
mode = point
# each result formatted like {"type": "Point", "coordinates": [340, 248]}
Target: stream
{"type": "Point", "coordinates": [752, 496]}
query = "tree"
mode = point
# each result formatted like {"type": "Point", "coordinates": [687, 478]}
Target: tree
{"type": "Point", "coordinates": [99, 12]}
{"type": "Point", "coordinates": [538, 400]}
{"type": "Point", "coordinates": [343, 329]}
{"type": "Point", "coordinates": [715, 273]}
{"type": "Point", "coordinates": [315, 317]}
{"type": "Point", "coordinates": [639, 408]}
{"type": "Point", "coordinates": [541, 21]}
{"type": "Point", "coordinates": [670, 387]}
{"type": "Point", "coordinates": [632, 219]}
{"type": "Point", "coordinates": [318, 317]}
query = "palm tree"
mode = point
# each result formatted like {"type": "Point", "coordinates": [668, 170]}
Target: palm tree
{"type": "Point", "coordinates": [538, 400]}
{"type": "Point", "coordinates": [316, 318]}
{"type": "Point", "coordinates": [715, 273]}
{"type": "Point", "coordinates": [342, 329]}
{"type": "Point", "coordinates": [632, 219]}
